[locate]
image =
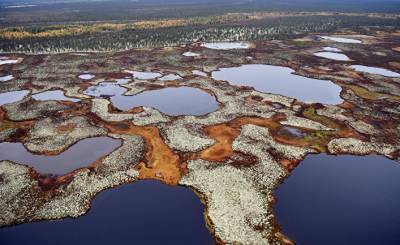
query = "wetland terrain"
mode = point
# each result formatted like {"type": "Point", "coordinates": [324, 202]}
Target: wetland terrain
{"type": "Point", "coordinates": [273, 138]}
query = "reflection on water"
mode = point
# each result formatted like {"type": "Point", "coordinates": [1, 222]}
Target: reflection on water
{"type": "Point", "coordinates": [330, 49]}
{"type": "Point", "coordinates": [341, 200]}
{"type": "Point", "coordinates": [106, 89]}
{"type": "Point", "coordinates": [145, 212]}
{"type": "Point", "coordinates": [86, 76]}
{"type": "Point", "coordinates": [13, 96]}
{"type": "Point", "coordinates": [144, 75]}
{"type": "Point", "coordinates": [171, 101]}
{"type": "Point", "coordinates": [226, 45]}
{"type": "Point", "coordinates": [341, 39]}
{"type": "Point", "coordinates": [190, 54]}
{"type": "Point", "coordinates": [332, 56]}
{"type": "Point", "coordinates": [54, 95]}
{"type": "Point", "coordinates": [6, 61]}
{"type": "Point", "coordinates": [375, 70]}
{"type": "Point", "coordinates": [281, 80]}
{"type": "Point", "coordinates": [6, 78]}
{"type": "Point", "coordinates": [77, 156]}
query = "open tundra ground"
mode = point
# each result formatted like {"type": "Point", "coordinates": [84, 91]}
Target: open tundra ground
{"type": "Point", "coordinates": [234, 156]}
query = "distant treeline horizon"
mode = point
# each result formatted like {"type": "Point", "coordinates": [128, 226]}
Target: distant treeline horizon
{"type": "Point", "coordinates": [23, 12]}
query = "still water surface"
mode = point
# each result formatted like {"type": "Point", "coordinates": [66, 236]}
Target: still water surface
{"type": "Point", "coordinates": [375, 70]}
{"type": "Point", "coordinates": [226, 45]}
{"type": "Point", "coordinates": [281, 80]}
{"type": "Point", "coordinates": [341, 39]}
{"type": "Point", "coordinates": [77, 156]}
{"type": "Point", "coordinates": [343, 200]}
{"type": "Point", "coordinates": [13, 96]}
{"type": "Point", "coordinates": [54, 95]}
{"type": "Point", "coordinates": [6, 78]}
{"type": "Point", "coordinates": [332, 56]}
{"type": "Point", "coordinates": [171, 101]}
{"type": "Point", "coordinates": [145, 212]}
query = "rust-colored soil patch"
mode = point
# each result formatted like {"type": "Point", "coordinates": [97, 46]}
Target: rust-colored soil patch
{"type": "Point", "coordinates": [66, 128]}
{"type": "Point", "coordinates": [224, 134]}
{"type": "Point", "coordinates": [160, 162]}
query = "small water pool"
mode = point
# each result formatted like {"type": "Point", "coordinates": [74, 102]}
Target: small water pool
{"type": "Point", "coordinates": [144, 75]}
{"type": "Point", "coordinates": [190, 54]}
{"type": "Point", "coordinates": [332, 56]}
{"type": "Point", "coordinates": [13, 96]}
{"type": "Point", "coordinates": [106, 89]}
{"type": "Point", "coordinates": [6, 78]}
{"type": "Point", "coordinates": [330, 49]}
{"type": "Point", "coordinates": [375, 70]}
{"type": "Point", "coordinates": [77, 156]}
{"type": "Point", "coordinates": [341, 39]}
{"type": "Point", "coordinates": [171, 101]}
{"type": "Point", "coordinates": [6, 61]}
{"type": "Point", "coordinates": [54, 95]}
{"type": "Point", "coordinates": [281, 80]}
{"type": "Point", "coordinates": [86, 76]}
{"type": "Point", "coordinates": [226, 45]}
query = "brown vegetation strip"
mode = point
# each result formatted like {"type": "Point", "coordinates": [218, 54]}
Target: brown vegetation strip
{"type": "Point", "coordinates": [224, 135]}
{"type": "Point", "coordinates": [160, 162]}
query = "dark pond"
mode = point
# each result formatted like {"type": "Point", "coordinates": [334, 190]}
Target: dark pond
{"type": "Point", "coordinates": [77, 156]}
{"type": "Point", "coordinates": [341, 200]}
{"type": "Point", "coordinates": [145, 212]}
{"type": "Point", "coordinates": [171, 101]}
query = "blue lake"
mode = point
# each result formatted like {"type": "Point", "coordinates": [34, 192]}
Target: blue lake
{"type": "Point", "coordinates": [145, 212]}
{"type": "Point", "coordinates": [341, 200]}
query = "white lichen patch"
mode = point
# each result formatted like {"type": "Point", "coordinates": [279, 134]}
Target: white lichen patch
{"type": "Point", "coordinates": [6, 133]}
{"type": "Point", "coordinates": [55, 135]}
{"type": "Point", "coordinates": [73, 199]}
{"type": "Point", "coordinates": [27, 110]}
{"type": "Point", "coordinates": [149, 116]}
{"type": "Point", "coordinates": [251, 132]}
{"type": "Point", "coordinates": [15, 189]}
{"type": "Point", "coordinates": [356, 146]}
{"type": "Point", "coordinates": [333, 112]}
{"type": "Point", "coordinates": [100, 108]}
{"type": "Point", "coordinates": [232, 201]}
{"type": "Point", "coordinates": [274, 98]}
{"type": "Point", "coordinates": [170, 77]}
{"type": "Point", "coordinates": [364, 127]}
{"type": "Point", "coordinates": [239, 200]}
{"type": "Point", "coordinates": [178, 137]}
